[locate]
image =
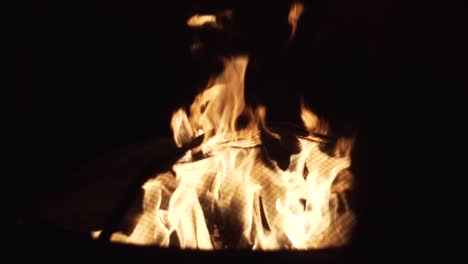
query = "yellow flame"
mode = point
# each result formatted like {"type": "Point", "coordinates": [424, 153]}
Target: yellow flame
{"type": "Point", "coordinates": [216, 20]}
{"type": "Point", "coordinates": [295, 13]}
{"type": "Point", "coordinates": [200, 20]}
{"type": "Point", "coordinates": [311, 121]}
{"type": "Point", "coordinates": [224, 194]}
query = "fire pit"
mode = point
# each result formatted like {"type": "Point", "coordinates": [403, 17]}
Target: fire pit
{"type": "Point", "coordinates": [232, 183]}
{"type": "Point", "coordinates": [246, 185]}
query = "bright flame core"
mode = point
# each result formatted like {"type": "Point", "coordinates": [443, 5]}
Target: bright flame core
{"type": "Point", "coordinates": [227, 193]}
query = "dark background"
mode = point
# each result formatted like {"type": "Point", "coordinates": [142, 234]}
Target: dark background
{"type": "Point", "coordinates": [90, 77]}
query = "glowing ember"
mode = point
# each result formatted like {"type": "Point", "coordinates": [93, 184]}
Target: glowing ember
{"type": "Point", "coordinates": [229, 193]}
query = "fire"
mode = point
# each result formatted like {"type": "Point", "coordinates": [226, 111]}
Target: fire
{"type": "Point", "coordinates": [295, 12]}
{"type": "Point", "coordinates": [229, 193]}
{"type": "Point", "coordinates": [199, 20]}
{"type": "Point", "coordinates": [211, 20]}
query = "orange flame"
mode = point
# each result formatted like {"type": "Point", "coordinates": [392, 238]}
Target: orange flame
{"type": "Point", "coordinates": [227, 194]}
{"type": "Point", "coordinates": [311, 121]}
{"type": "Point", "coordinates": [212, 20]}
{"type": "Point", "coordinates": [200, 20]}
{"type": "Point", "coordinates": [295, 13]}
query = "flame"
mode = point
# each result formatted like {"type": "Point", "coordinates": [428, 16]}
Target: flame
{"type": "Point", "coordinates": [311, 121]}
{"type": "Point", "coordinates": [212, 20]}
{"type": "Point", "coordinates": [200, 20]}
{"type": "Point", "coordinates": [295, 13]}
{"type": "Point", "coordinates": [228, 193]}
